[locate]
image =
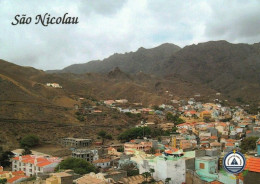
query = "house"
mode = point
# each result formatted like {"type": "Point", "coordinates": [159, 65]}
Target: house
{"type": "Point", "coordinates": [102, 163]}
{"type": "Point", "coordinates": [136, 179]}
{"type": "Point", "coordinates": [206, 168]}
{"type": "Point", "coordinates": [205, 114]}
{"type": "Point", "coordinates": [54, 85]}
{"type": "Point", "coordinates": [142, 145]}
{"type": "Point", "coordinates": [216, 145]}
{"type": "Point", "coordinates": [164, 166]}
{"type": "Point", "coordinates": [109, 102]}
{"type": "Point", "coordinates": [113, 151]}
{"type": "Point", "coordinates": [86, 154]}
{"type": "Point", "coordinates": [60, 178]}
{"type": "Point", "coordinates": [32, 165]}
{"type": "Point", "coordinates": [166, 126]}
{"type": "Point", "coordinates": [253, 167]}
{"type": "Point", "coordinates": [93, 178]}
{"type": "Point", "coordinates": [76, 142]}
{"type": "Point", "coordinates": [122, 101]}
{"type": "Point", "coordinates": [12, 177]}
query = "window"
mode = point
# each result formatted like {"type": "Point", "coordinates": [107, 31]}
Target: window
{"type": "Point", "coordinates": [202, 165]}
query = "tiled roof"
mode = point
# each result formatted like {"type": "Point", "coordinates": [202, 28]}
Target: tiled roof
{"type": "Point", "coordinates": [230, 144]}
{"type": "Point", "coordinates": [253, 164]}
{"type": "Point", "coordinates": [213, 137]}
{"type": "Point", "coordinates": [15, 178]}
{"type": "Point", "coordinates": [41, 161]}
{"type": "Point", "coordinates": [101, 161]}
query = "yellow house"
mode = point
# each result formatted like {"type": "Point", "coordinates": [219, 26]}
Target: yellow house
{"type": "Point", "coordinates": [205, 114]}
{"type": "Point", "coordinates": [60, 178]}
{"type": "Point", "coordinates": [53, 180]}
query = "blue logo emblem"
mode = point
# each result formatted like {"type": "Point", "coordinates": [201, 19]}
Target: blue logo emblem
{"type": "Point", "coordinates": [234, 162]}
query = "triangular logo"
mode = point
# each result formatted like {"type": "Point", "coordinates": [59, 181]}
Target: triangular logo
{"type": "Point", "coordinates": [234, 162]}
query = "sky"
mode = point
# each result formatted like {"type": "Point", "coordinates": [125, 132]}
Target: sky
{"type": "Point", "coordinates": [117, 26]}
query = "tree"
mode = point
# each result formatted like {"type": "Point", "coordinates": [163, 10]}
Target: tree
{"type": "Point", "coordinates": [79, 165]}
{"type": "Point", "coordinates": [120, 149]}
{"type": "Point", "coordinates": [174, 118]}
{"type": "Point", "coordinates": [152, 150]}
{"type": "Point", "coordinates": [5, 158]}
{"type": "Point", "coordinates": [134, 133]}
{"type": "Point", "coordinates": [26, 151]}
{"type": "Point", "coordinates": [174, 129]}
{"type": "Point", "coordinates": [103, 135]}
{"type": "Point", "coordinates": [3, 181]}
{"type": "Point", "coordinates": [130, 168]}
{"type": "Point", "coordinates": [30, 141]}
{"type": "Point", "coordinates": [248, 144]}
{"type": "Point", "coordinates": [109, 136]}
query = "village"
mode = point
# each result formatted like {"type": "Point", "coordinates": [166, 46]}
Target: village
{"type": "Point", "coordinates": [181, 142]}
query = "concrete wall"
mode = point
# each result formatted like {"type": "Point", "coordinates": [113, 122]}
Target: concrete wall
{"type": "Point", "coordinates": [192, 178]}
{"type": "Point", "coordinates": [190, 163]}
{"type": "Point", "coordinates": [200, 153]}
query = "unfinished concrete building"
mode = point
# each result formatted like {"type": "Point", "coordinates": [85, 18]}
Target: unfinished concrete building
{"type": "Point", "coordinates": [76, 142]}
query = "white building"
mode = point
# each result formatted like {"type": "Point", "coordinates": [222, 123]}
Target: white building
{"type": "Point", "coordinates": [32, 165]}
{"type": "Point", "coordinates": [102, 163]}
{"type": "Point", "coordinates": [54, 85]}
{"type": "Point", "coordinates": [164, 167]}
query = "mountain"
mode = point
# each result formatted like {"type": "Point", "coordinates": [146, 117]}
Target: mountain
{"type": "Point", "coordinates": [28, 106]}
{"type": "Point", "coordinates": [232, 69]}
{"type": "Point", "coordinates": [143, 60]}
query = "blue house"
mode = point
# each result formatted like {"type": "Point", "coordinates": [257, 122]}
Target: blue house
{"type": "Point", "coordinates": [258, 147]}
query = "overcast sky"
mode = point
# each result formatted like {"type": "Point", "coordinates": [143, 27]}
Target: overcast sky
{"type": "Point", "coordinates": [118, 26]}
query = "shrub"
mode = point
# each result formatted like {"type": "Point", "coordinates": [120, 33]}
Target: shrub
{"type": "Point", "coordinates": [30, 141]}
{"type": "Point", "coordinates": [79, 166]}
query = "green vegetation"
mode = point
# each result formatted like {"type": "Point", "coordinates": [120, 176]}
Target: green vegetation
{"type": "Point", "coordinates": [239, 100]}
{"type": "Point", "coordinates": [131, 115]}
{"type": "Point", "coordinates": [248, 144]}
{"type": "Point", "coordinates": [167, 180]}
{"type": "Point", "coordinates": [26, 151]}
{"type": "Point", "coordinates": [130, 169]}
{"type": "Point", "coordinates": [174, 118]}
{"type": "Point", "coordinates": [134, 133]}
{"type": "Point", "coordinates": [5, 157]}
{"type": "Point", "coordinates": [152, 150]}
{"type": "Point", "coordinates": [30, 141]}
{"type": "Point", "coordinates": [146, 175]}
{"type": "Point", "coordinates": [120, 149]}
{"type": "Point", "coordinates": [79, 166]}
{"type": "Point", "coordinates": [3, 181]}
{"type": "Point", "coordinates": [140, 132]}
{"type": "Point", "coordinates": [104, 135]}
{"type": "Point", "coordinates": [156, 107]}
{"type": "Point", "coordinates": [174, 129]}
{"type": "Point", "coordinates": [81, 118]}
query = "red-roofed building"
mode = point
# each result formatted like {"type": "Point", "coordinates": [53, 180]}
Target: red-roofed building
{"type": "Point", "coordinates": [253, 167]}
{"type": "Point", "coordinates": [32, 165]}
{"type": "Point", "coordinates": [12, 177]}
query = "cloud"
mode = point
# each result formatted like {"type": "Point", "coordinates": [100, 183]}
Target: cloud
{"type": "Point", "coordinates": [108, 26]}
